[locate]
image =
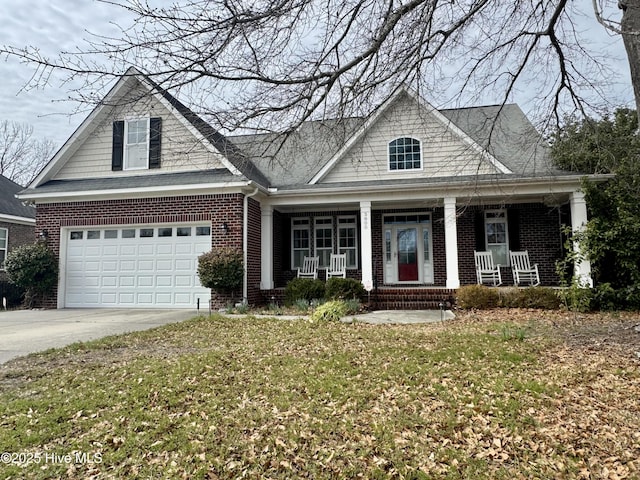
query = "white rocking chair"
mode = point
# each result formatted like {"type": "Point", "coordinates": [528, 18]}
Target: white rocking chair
{"type": "Point", "coordinates": [309, 268]}
{"type": "Point", "coordinates": [486, 271]}
{"type": "Point", "coordinates": [337, 265]}
{"type": "Point", "coordinates": [523, 271]}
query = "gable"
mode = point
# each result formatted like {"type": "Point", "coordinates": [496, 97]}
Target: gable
{"type": "Point", "coordinates": [180, 149]}
{"type": "Point", "coordinates": [444, 150]}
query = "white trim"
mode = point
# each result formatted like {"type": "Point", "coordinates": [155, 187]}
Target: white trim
{"type": "Point", "coordinates": [424, 104]}
{"type": "Point", "coordinates": [123, 193]}
{"type": "Point", "coordinates": [451, 242]}
{"type": "Point", "coordinates": [19, 220]}
{"type": "Point", "coordinates": [366, 244]}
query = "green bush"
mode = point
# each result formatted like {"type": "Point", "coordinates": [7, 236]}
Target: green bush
{"type": "Point", "coordinates": [221, 269]}
{"type": "Point", "coordinates": [344, 288]}
{"type": "Point", "coordinates": [477, 296]}
{"type": "Point", "coordinates": [303, 288]}
{"type": "Point", "coordinates": [576, 298]}
{"type": "Point", "coordinates": [333, 310]}
{"type": "Point", "coordinates": [33, 267]}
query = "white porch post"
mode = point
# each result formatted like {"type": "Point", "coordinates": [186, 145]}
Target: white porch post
{"type": "Point", "coordinates": [366, 253]}
{"type": "Point", "coordinates": [266, 244]}
{"type": "Point", "coordinates": [578, 207]}
{"type": "Point", "coordinates": [451, 242]}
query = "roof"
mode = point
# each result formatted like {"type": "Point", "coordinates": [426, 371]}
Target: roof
{"type": "Point", "coordinates": [9, 204]}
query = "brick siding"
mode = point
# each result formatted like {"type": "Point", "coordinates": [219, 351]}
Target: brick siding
{"type": "Point", "coordinates": [213, 209]}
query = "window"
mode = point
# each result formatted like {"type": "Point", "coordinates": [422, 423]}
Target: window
{"type": "Point", "coordinates": [348, 240]}
{"type": "Point", "coordinates": [495, 224]}
{"type": "Point", "coordinates": [93, 235]}
{"type": "Point", "coordinates": [146, 232]}
{"type": "Point", "coordinates": [203, 231]}
{"type": "Point", "coordinates": [129, 233]}
{"type": "Point", "coordinates": [136, 145]}
{"type": "Point", "coordinates": [4, 238]}
{"type": "Point", "coordinates": [405, 154]}
{"type": "Point", "coordinates": [300, 241]}
{"type": "Point", "coordinates": [183, 231]}
{"type": "Point", "coordinates": [110, 234]}
{"type": "Point", "coordinates": [75, 236]}
{"type": "Point", "coordinates": [165, 232]}
{"type": "Point", "coordinates": [324, 240]}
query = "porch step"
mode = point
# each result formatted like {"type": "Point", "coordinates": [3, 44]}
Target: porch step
{"type": "Point", "coordinates": [418, 298]}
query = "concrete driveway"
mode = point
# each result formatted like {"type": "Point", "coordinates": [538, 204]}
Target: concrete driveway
{"type": "Point", "coordinates": [27, 331]}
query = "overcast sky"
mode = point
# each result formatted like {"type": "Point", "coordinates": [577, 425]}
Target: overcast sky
{"type": "Point", "coordinates": [55, 25]}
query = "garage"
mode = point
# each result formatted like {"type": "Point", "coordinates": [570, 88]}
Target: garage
{"type": "Point", "coordinates": [135, 266]}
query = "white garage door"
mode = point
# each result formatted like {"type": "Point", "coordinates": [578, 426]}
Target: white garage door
{"type": "Point", "coordinates": [146, 266]}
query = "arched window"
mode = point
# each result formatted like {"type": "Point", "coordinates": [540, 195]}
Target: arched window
{"type": "Point", "coordinates": [405, 154]}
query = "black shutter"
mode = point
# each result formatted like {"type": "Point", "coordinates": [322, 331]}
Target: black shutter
{"type": "Point", "coordinates": [155, 129]}
{"type": "Point", "coordinates": [513, 226]}
{"type": "Point", "coordinates": [118, 145]}
{"type": "Point", "coordinates": [481, 245]}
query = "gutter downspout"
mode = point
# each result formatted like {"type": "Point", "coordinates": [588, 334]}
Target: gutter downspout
{"type": "Point", "coordinates": [245, 246]}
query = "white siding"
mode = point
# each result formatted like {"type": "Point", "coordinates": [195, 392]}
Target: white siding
{"type": "Point", "coordinates": [443, 152]}
{"type": "Point", "coordinates": [181, 150]}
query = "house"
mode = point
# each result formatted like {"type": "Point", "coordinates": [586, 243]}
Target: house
{"type": "Point", "coordinates": [144, 186]}
{"type": "Point", "coordinates": [17, 227]}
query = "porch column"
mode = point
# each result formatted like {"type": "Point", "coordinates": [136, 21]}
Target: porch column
{"type": "Point", "coordinates": [451, 242]}
{"type": "Point", "coordinates": [578, 207]}
{"type": "Point", "coordinates": [266, 244]}
{"type": "Point", "coordinates": [366, 250]}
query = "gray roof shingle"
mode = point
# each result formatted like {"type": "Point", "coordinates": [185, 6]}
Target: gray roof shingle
{"type": "Point", "coordinates": [9, 204]}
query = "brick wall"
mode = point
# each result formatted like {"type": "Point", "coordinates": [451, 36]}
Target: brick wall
{"type": "Point", "coordinates": [17, 235]}
{"type": "Point", "coordinates": [538, 232]}
{"type": "Point", "coordinates": [254, 253]}
{"type": "Point", "coordinates": [215, 209]}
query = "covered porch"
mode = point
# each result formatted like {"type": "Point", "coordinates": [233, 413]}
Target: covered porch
{"type": "Point", "coordinates": [414, 253]}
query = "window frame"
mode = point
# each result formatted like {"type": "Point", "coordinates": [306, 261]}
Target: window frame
{"type": "Point", "coordinates": [125, 143]}
{"type": "Point", "coordinates": [322, 252]}
{"type": "Point", "coordinates": [493, 246]}
{"type": "Point", "coordinates": [393, 144]}
{"type": "Point", "coordinates": [4, 250]}
{"type": "Point", "coordinates": [306, 226]}
{"type": "Point", "coordinates": [348, 222]}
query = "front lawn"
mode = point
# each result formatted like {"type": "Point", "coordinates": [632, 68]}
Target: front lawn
{"type": "Point", "coordinates": [503, 394]}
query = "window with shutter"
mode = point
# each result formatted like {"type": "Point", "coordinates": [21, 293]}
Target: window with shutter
{"type": "Point", "coordinates": [136, 144]}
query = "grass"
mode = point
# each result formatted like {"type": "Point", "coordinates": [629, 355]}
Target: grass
{"type": "Point", "coordinates": [227, 398]}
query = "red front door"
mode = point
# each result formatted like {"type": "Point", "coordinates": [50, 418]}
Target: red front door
{"type": "Point", "coordinates": [407, 254]}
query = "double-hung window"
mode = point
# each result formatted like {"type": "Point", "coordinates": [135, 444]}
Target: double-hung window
{"type": "Point", "coordinates": [348, 240]}
{"type": "Point", "coordinates": [136, 146]}
{"type": "Point", "coordinates": [323, 233]}
{"type": "Point", "coordinates": [4, 238]}
{"type": "Point", "coordinates": [300, 240]}
{"type": "Point", "coordinates": [496, 235]}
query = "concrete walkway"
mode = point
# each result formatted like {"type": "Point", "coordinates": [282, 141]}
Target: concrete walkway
{"type": "Point", "coordinates": [402, 316]}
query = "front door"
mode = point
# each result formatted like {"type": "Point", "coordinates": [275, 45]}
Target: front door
{"type": "Point", "coordinates": [407, 241]}
{"type": "Point", "coordinates": [407, 249]}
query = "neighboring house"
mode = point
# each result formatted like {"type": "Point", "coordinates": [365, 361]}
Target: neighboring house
{"type": "Point", "coordinates": [17, 221]}
{"type": "Point", "coordinates": [144, 186]}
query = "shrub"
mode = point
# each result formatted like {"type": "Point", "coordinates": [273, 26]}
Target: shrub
{"type": "Point", "coordinates": [303, 288]}
{"type": "Point", "coordinates": [477, 296]}
{"type": "Point", "coordinates": [221, 269]}
{"type": "Point", "coordinates": [530, 297]}
{"type": "Point", "coordinates": [33, 267]}
{"type": "Point", "coordinates": [344, 288]}
{"type": "Point", "coordinates": [333, 310]}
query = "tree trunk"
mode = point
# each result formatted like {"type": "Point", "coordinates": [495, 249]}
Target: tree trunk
{"type": "Point", "coordinates": [631, 37]}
